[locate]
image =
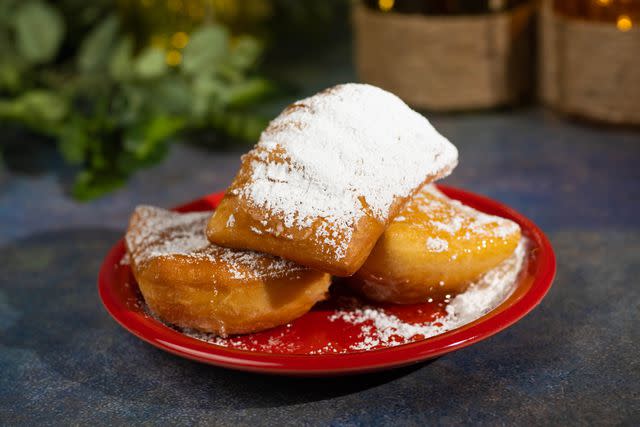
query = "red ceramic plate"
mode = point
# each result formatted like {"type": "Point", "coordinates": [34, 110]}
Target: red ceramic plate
{"type": "Point", "coordinates": [317, 344]}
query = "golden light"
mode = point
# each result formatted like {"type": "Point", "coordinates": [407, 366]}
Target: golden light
{"type": "Point", "coordinates": [603, 2]}
{"type": "Point", "coordinates": [179, 40]}
{"type": "Point", "coordinates": [173, 57]}
{"type": "Point", "coordinates": [385, 5]}
{"type": "Point", "coordinates": [624, 23]}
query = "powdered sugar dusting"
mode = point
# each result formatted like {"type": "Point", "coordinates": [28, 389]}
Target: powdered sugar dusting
{"type": "Point", "coordinates": [381, 329]}
{"type": "Point", "coordinates": [245, 342]}
{"type": "Point", "coordinates": [436, 244]}
{"type": "Point", "coordinates": [159, 233]}
{"type": "Point", "coordinates": [448, 217]}
{"type": "Point", "coordinates": [347, 152]}
{"type": "Point", "coordinates": [378, 328]}
{"type": "Point", "coordinates": [480, 298]}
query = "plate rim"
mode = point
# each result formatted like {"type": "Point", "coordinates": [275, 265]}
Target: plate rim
{"type": "Point", "coordinates": [167, 339]}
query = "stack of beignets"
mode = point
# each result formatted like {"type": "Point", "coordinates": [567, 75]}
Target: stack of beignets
{"type": "Point", "coordinates": [338, 183]}
{"type": "Point", "coordinates": [327, 176]}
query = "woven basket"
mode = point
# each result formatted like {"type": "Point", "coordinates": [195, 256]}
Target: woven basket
{"type": "Point", "coordinates": [589, 69]}
{"type": "Point", "coordinates": [447, 62]}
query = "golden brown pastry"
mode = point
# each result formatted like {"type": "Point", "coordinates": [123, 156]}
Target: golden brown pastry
{"type": "Point", "coordinates": [435, 246]}
{"type": "Point", "coordinates": [327, 176]}
{"type": "Point", "coordinates": [191, 283]}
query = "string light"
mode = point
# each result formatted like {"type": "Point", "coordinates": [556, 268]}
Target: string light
{"type": "Point", "coordinates": [173, 58]}
{"type": "Point", "coordinates": [179, 40]}
{"type": "Point", "coordinates": [624, 23]}
{"type": "Point", "coordinates": [385, 5]}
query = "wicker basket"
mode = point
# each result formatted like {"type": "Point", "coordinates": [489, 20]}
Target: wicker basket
{"type": "Point", "coordinates": [447, 62]}
{"type": "Point", "coordinates": [589, 69]}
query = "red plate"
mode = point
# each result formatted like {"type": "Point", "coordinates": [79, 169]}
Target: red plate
{"type": "Point", "coordinates": [294, 349]}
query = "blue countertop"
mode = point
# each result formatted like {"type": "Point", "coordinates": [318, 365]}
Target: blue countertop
{"type": "Point", "coordinates": [573, 360]}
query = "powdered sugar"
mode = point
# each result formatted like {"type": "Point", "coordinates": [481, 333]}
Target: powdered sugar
{"type": "Point", "coordinates": [159, 233]}
{"type": "Point", "coordinates": [246, 343]}
{"type": "Point", "coordinates": [451, 227]}
{"type": "Point", "coordinates": [381, 329]}
{"type": "Point", "coordinates": [436, 244]}
{"type": "Point", "coordinates": [448, 217]}
{"type": "Point", "coordinates": [489, 291]}
{"type": "Point", "coordinates": [347, 152]}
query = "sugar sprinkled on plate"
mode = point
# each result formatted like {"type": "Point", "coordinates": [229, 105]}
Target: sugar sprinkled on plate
{"type": "Point", "coordinates": [379, 329]}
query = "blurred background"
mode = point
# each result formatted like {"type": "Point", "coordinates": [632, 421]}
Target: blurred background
{"type": "Point", "coordinates": [102, 89]}
{"type": "Point", "coordinates": [105, 105]}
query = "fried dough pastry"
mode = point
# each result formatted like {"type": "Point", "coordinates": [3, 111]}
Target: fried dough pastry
{"type": "Point", "coordinates": [436, 246]}
{"type": "Point", "coordinates": [327, 176]}
{"type": "Point", "coordinates": [191, 283]}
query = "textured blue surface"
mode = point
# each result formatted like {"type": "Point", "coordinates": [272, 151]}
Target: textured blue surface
{"type": "Point", "coordinates": [574, 360]}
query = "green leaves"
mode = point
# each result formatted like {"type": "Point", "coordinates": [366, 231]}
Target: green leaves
{"type": "Point", "coordinates": [11, 64]}
{"type": "Point", "coordinates": [112, 107]}
{"type": "Point", "coordinates": [246, 52]}
{"type": "Point", "coordinates": [247, 92]}
{"type": "Point", "coordinates": [43, 105]}
{"type": "Point", "coordinates": [92, 184]}
{"type": "Point", "coordinates": [121, 63]}
{"type": "Point", "coordinates": [73, 142]}
{"type": "Point", "coordinates": [41, 109]}
{"type": "Point", "coordinates": [207, 47]}
{"type": "Point", "coordinates": [144, 140]}
{"type": "Point", "coordinates": [150, 64]}
{"type": "Point", "coordinates": [39, 30]}
{"type": "Point", "coordinates": [172, 95]}
{"type": "Point", "coordinates": [239, 125]}
{"type": "Point", "coordinates": [95, 49]}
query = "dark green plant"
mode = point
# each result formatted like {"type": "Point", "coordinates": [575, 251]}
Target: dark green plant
{"type": "Point", "coordinates": [111, 108]}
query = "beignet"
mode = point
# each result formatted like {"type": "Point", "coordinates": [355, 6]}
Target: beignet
{"type": "Point", "coordinates": [191, 283]}
{"type": "Point", "coordinates": [435, 246]}
{"type": "Point", "coordinates": [327, 176]}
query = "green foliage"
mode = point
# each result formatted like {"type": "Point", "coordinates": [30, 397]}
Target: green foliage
{"type": "Point", "coordinates": [150, 64]}
{"type": "Point", "coordinates": [39, 29]}
{"type": "Point", "coordinates": [36, 108]}
{"type": "Point", "coordinates": [207, 48]}
{"type": "Point", "coordinates": [112, 108]}
{"type": "Point", "coordinates": [95, 49]}
{"type": "Point", "coordinates": [121, 64]}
